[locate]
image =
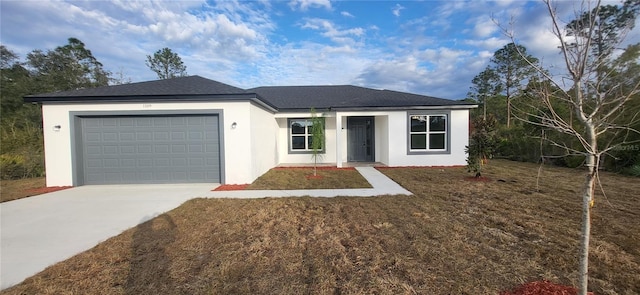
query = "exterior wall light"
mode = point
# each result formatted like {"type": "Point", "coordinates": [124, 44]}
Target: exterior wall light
{"type": "Point", "coordinates": [57, 127]}
{"type": "Point", "coordinates": [234, 125]}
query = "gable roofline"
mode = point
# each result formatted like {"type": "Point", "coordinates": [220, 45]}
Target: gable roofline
{"type": "Point", "coordinates": [348, 97]}
{"type": "Point", "coordinates": [180, 86]}
{"type": "Point", "coordinates": [373, 109]}
{"type": "Point", "coordinates": [273, 98]}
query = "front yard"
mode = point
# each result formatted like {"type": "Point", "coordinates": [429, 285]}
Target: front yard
{"type": "Point", "coordinates": [293, 178]}
{"type": "Point", "coordinates": [453, 237]}
{"type": "Point", "coordinates": [20, 188]}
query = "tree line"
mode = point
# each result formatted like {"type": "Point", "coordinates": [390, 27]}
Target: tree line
{"type": "Point", "coordinates": [511, 121]}
{"type": "Point", "coordinates": [67, 67]}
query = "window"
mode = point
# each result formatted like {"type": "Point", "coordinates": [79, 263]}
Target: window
{"type": "Point", "coordinates": [300, 135]}
{"type": "Point", "coordinates": [427, 132]}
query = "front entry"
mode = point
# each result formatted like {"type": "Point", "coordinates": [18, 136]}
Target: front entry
{"type": "Point", "coordinates": [360, 139]}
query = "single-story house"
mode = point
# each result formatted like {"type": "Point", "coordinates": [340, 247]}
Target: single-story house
{"type": "Point", "coordinates": [192, 129]}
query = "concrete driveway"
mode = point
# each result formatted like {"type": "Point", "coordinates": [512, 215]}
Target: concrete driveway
{"type": "Point", "coordinates": [40, 231]}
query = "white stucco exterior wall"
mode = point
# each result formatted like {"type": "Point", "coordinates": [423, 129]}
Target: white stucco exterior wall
{"type": "Point", "coordinates": [285, 157]}
{"type": "Point", "coordinates": [238, 166]}
{"type": "Point", "coordinates": [260, 139]}
{"type": "Point", "coordinates": [398, 141]}
{"type": "Point", "coordinates": [381, 134]}
{"type": "Point", "coordinates": [382, 139]}
{"type": "Point", "coordinates": [264, 142]}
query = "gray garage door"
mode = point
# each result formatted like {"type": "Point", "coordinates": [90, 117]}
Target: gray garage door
{"type": "Point", "coordinates": [150, 149]}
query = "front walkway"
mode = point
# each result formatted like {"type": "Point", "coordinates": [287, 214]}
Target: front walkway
{"type": "Point", "coordinates": [39, 231]}
{"type": "Point", "coordinates": [382, 185]}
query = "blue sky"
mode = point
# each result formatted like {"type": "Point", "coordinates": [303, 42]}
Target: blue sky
{"type": "Point", "coordinates": [426, 47]}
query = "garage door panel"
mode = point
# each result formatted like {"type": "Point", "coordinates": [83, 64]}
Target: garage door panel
{"type": "Point", "coordinates": [150, 149]}
{"type": "Point", "coordinates": [144, 136]}
{"type": "Point", "coordinates": [127, 149]}
{"type": "Point", "coordinates": [128, 163]}
{"type": "Point", "coordinates": [163, 162]}
{"type": "Point", "coordinates": [143, 121]}
{"type": "Point", "coordinates": [179, 162]}
{"type": "Point", "coordinates": [161, 149]}
{"type": "Point", "coordinates": [127, 136]}
{"type": "Point", "coordinates": [178, 148]}
{"type": "Point", "coordinates": [110, 150]}
{"type": "Point", "coordinates": [126, 122]}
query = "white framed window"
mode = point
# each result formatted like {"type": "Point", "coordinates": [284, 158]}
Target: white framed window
{"type": "Point", "coordinates": [428, 133]}
{"type": "Point", "coordinates": [301, 135]}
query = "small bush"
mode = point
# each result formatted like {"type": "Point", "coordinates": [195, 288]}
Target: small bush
{"type": "Point", "coordinates": [14, 166]}
{"type": "Point", "coordinates": [482, 143]}
{"type": "Point", "coordinates": [633, 170]}
{"type": "Point", "coordinates": [574, 161]}
{"type": "Point", "coordinates": [21, 150]}
{"type": "Point", "coordinates": [518, 144]}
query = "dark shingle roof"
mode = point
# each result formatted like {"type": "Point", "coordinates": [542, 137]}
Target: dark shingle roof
{"type": "Point", "coordinates": [278, 97]}
{"type": "Point", "coordinates": [182, 86]}
{"type": "Point", "coordinates": [344, 97]}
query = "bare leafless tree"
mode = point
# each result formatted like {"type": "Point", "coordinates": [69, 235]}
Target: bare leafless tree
{"type": "Point", "coordinates": [590, 103]}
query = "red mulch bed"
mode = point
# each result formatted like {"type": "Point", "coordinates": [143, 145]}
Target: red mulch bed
{"type": "Point", "coordinates": [231, 187]}
{"type": "Point", "coordinates": [542, 288]}
{"type": "Point", "coordinates": [311, 168]}
{"type": "Point", "coordinates": [434, 167]}
{"type": "Point", "coordinates": [44, 190]}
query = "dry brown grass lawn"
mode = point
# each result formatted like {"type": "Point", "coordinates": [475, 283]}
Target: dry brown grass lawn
{"type": "Point", "coordinates": [297, 178]}
{"type": "Point", "coordinates": [18, 189]}
{"type": "Point", "coordinates": [452, 237]}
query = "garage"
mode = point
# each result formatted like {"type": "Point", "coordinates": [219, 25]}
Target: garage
{"type": "Point", "coordinates": [148, 149]}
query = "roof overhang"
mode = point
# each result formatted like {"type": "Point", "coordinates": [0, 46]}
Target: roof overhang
{"type": "Point", "coordinates": [394, 108]}
{"type": "Point", "coordinates": [157, 98]}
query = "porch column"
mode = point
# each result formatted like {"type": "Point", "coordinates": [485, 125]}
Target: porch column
{"type": "Point", "coordinates": [338, 140]}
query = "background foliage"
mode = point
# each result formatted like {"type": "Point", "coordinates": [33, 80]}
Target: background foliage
{"type": "Point", "coordinates": [506, 89]}
{"type": "Point", "coordinates": [67, 67]}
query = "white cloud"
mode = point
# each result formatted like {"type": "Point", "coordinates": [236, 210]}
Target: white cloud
{"type": "Point", "coordinates": [306, 4]}
{"type": "Point", "coordinates": [346, 14]}
{"type": "Point", "coordinates": [329, 30]}
{"type": "Point", "coordinates": [484, 27]}
{"type": "Point", "coordinates": [397, 9]}
{"type": "Point", "coordinates": [247, 43]}
{"type": "Point", "coordinates": [504, 3]}
{"type": "Point", "coordinates": [430, 71]}
{"type": "Point", "coordinates": [121, 33]}
{"type": "Point", "coordinates": [309, 64]}
{"type": "Point", "coordinates": [493, 43]}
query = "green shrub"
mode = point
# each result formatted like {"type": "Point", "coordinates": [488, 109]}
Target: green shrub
{"type": "Point", "coordinates": [633, 170]}
{"type": "Point", "coordinates": [518, 144]}
{"type": "Point", "coordinates": [21, 152]}
{"type": "Point", "coordinates": [481, 144]}
{"type": "Point", "coordinates": [573, 161]}
{"type": "Point", "coordinates": [14, 166]}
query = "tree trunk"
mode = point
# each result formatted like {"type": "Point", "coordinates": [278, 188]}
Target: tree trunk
{"type": "Point", "coordinates": [508, 107]}
{"type": "Point", "coordinates": [587, 203]}
{"type": "Point", "coordinates": [484, 106]}
{"type": "Point", "coordinates": [508, 112]}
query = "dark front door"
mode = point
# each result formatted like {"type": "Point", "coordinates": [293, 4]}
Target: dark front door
{"type": "Point", "coordinates": [360, 139]}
